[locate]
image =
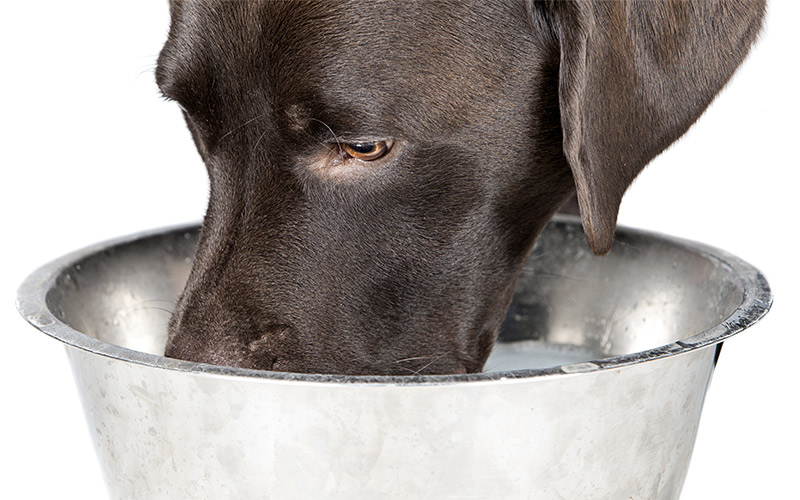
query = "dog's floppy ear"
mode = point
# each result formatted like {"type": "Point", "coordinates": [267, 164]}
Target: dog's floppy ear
{"type": "Point", "coordinates": [633, 76]}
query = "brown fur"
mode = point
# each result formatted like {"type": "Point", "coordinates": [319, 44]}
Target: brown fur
{"type": "Point", "coordinates": [499, 111]}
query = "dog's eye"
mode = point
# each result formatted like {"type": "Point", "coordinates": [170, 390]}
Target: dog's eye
{"type": "Point", "coordinates": [367, 151]}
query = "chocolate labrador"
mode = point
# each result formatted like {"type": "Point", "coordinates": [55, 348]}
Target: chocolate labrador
{"type": "Point", "coordinates": [380, 170]}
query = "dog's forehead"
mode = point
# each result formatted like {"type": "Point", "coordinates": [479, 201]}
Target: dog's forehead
{"type": "Point", "coordinates": [349, 53]}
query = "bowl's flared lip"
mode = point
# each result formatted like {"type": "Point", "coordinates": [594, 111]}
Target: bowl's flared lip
{"type": "Point", "coordinates": [32, 305]}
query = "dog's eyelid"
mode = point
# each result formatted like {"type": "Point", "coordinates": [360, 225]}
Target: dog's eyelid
{"type": "Point", "coordinates": [342, 163]}
{"type": "Point", "coordinates": [365, 150]}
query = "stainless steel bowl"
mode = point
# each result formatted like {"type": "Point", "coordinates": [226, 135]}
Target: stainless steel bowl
{"type": "Point", "coordinates": [594, 389]}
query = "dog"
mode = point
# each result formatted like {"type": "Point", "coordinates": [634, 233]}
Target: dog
{"type": "Point", "coordinates": [379, 170]}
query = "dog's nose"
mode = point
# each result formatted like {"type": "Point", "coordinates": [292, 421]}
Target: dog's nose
{"type": "Point", "coordinates": [210, 328]}
{"type": "Point", "coordinates": [200, 343]}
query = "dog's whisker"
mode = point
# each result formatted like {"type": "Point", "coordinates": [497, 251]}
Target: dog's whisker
{"type": "Point", "coordinates": [241, 126]}
{"type": "Point", "coordinates": [165, 301]}
{"type": "Point", "coordinates": [150, 308]}
{"type": "Point", "coordinates": [143, 306]}
{"type": "Point", "coordinates": [409, 370]}
{"type": "Point", "coordinates": [250, 121]}
{"type": "Point", "coordinates": [432, 362]}
{"type": "Point", "coordinates": [317, 140]}
{"type": "Point", "coordinates": [146, 69]}
{"type": "Point", "coordinates": [538, 256]}
{"type": "Point", "coordinates": [416, 358]}
{"type": "Point", "coordinates": [338, 143]}
{"type": "Point", "coordinates": [433, 359]}
{"type": "Point", "coordinates": [260, 137]}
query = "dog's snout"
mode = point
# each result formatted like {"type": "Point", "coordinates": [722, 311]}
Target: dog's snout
{"type": "Point", "coordinates": [209, 343]}
{"type": "Point", "coordinates": [211, 326]}
{"type": "Point", "coordinates": [272, 346]}
{"type": "Point", "coordinates": [214, 326]}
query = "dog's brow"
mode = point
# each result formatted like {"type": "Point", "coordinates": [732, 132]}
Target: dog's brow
{"type": "Point", "coordinates": [243, 125]}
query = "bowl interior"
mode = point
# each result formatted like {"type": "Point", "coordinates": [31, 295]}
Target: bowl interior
{"type": "Point", "coordinates": [570, 306]}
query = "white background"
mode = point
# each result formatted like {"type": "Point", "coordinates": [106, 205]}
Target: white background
{"type": "Point", "coordinates": [90, 152]}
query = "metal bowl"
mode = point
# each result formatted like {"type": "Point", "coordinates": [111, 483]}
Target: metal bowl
{"type": "Point", "coordinates": [594, 389]}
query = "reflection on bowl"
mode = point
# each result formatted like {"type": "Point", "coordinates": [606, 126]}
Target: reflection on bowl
{"type": "Point", "coordinates": [594, 389]}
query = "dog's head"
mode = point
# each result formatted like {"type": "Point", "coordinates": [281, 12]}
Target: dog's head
{"type": "Point", "coordinates": [380, 170]}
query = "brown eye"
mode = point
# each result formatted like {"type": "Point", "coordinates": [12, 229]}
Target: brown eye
{"type": "Point", "coordinates": [367, 151]}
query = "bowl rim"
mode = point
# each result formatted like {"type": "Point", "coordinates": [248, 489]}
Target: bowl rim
{"type": "Point", "coordinates": [31, 303]}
